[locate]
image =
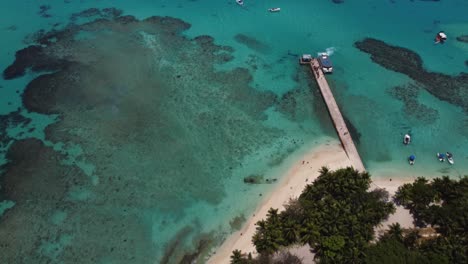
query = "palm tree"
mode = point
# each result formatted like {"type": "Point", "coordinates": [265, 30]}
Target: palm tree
{"type": "Point", "coordinates": [411, 239]}
{"type": "Point", "coordinates": [236, 257]}
{"type": "Point", "coordinates": [309, 234]}
{"type": "Point", "coordinates": [396, 231]}
{"type": "Point", "coordinates": [290, 231]}
{"type": "Point", "coordinates": [273, 217]}
{"type": "Point", "coordinates": [261, 225]}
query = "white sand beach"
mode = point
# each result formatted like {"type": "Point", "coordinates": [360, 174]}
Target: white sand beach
{"type": "Point", "coordinates": [301, 173]}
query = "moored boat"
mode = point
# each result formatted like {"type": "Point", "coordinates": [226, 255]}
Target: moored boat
{"type": "Point", "coordinates": [274, 9]}
{"type": "Point", "coordinates": [441, 37]}
{"type": "Point", "coordinates": [325, 63]}
{"type": "Point", "coordinates": [240, 2]}
{"type": "Point", "coordinates": [441, 156]}
{"type": "Point", "coordinates": [407, 139]}
{"type": "Point", "coordinates": [449, 157]}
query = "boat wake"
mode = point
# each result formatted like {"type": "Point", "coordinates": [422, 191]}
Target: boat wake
{"type": "Point", "coordinates": [329, 51]}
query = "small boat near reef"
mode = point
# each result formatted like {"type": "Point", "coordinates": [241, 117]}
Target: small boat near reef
{"type": "Point", "coordinates": [411, 159]}
{"type": "Point", "coordinates": [441, 37]}
{"type": "Point", "coordinates": [449, 157]}
{"type": "Point", "coordinates": [240, 2]}
{"type": "Point", "coordinates": [406, 139]}
{"type": "Point", "coordinates": [274, 9]}
{"type": "Point", "coordinates": [441, 156]}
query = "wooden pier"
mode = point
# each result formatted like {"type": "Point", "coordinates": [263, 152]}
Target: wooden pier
{"type": "Point", "coordinates": [336, 116]}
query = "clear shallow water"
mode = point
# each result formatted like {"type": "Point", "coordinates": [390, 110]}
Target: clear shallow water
{"type": "Point", "coordinates": [152, 223]}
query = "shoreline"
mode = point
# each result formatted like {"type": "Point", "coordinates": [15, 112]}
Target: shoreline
{"type": "Point", "coordinates": [300, 173]}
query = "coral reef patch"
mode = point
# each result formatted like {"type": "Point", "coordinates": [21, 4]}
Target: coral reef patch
{"type": "Point", "coordinates": [43, 11]}
{"type": "Point", "coordinates": [34, 58]}
{"type": "Point", "coordinates": [252, 43]}
{"type": "Point", "coordinates": [408, 94]}
{"type": "Point", "coordinates": [13, 119]}
{"type": "Point", "coordinates": [55, 205]}
{"type": "Point", "coordinates": [108, 13]}
{"type": "Point", "coordinates": [160, 125]}
{"type": "Point", "coordinates": [462, 38]}
{"type": "Point", "coordinates": [453, 89]}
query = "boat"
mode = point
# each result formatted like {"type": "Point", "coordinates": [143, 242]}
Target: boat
{"type": "Point", "coordinates": [406, 139]}
{"type": "Point", "coordinates": [274, 9]}
{"type": "Point", "coordinates": [305, 59]}
{"type": "Point", "coordinates": [449, 157]}
{"type": "Point", "coordinates": [325, 63]}
{"type": "Point", "coordinates": [441, 37]}
{"type": "Point", "coordinates": [240, 2]}
{"type": "Point", "coordinates": [411, 159]}
{"type": "Point", "coordinates": [441, 156]}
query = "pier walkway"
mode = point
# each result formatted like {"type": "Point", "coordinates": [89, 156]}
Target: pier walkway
{"type": "Point", "coordinates": [336, 116]}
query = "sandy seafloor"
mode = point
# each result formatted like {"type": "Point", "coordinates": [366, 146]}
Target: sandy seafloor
{"type": "Point", "coordinates": [181, 178]}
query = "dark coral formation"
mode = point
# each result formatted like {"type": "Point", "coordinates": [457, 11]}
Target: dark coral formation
{"type": "Point", "coordinates": [171, 249]}
{"type": "Point", "coordinates": [33, 231]}
{"type": "Point", "coordinates": [11, 28]}
{"type": "Point", "coordinates": [256, 179]}
{"type": "Point", "coordinates": [34, 58]}
{"type": "Point", "coordinates": [237, 222]}
{"type": "Point", "coordinates": [203, 245]}
{"type": "Point", "coordinates": [453, 89]}
{"type": "Point", "coordinates": [152, 115]}
{"type": "Point", "coordinates": [300, 104]}
{"type": "Point", "coordinates": [43, 9]}
{"type": "Point", "coordinates": [463, 38]}
{"type": "Point", "coordinates": [252, 43]}
{"type": "Point", "coordinates": [13, 119]}
{"type": "Point", "coordinates": [221, 54]}
{"type": "Point", "coordinates": [92, 14]}
{"type": "Point", "coordinates": [408, 95]}
{"type": "Point", "coordinates": [96, 13]}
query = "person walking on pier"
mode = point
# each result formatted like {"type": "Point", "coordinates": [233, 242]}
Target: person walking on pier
{"type": "Point", "coordinates": [316, 68]}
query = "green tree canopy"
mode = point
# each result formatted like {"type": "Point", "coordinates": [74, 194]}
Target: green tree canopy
{"type": "Point", "coordinates": [442, 204]}
{"type": "Point", "coordinates": [335, 215]}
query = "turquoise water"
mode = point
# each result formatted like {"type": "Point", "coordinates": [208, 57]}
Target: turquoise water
{"type": "Point", "coordinates": [141, 166]}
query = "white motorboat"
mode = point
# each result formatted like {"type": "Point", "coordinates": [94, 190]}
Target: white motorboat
{"type": "Point", "coordinates": [449, 157]}
{"type": "Point", "coordinates": [407, 139]}
{"type": "Point", "coordinates": [274, 9]}
{"type": "Point", "coordinates": [441, 37]}
{"type": "Point", "coordinates": [411, 159]}
{"type": "Point", "coordinates": [325, 63]}
{"type": "Point", "coordinates": [240, 2]}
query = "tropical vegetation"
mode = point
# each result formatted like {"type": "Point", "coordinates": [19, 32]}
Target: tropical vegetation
{"type": "Point", "coordinates": [337, 215]}
{"type": "Point", "coordinates": [443, 205]}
